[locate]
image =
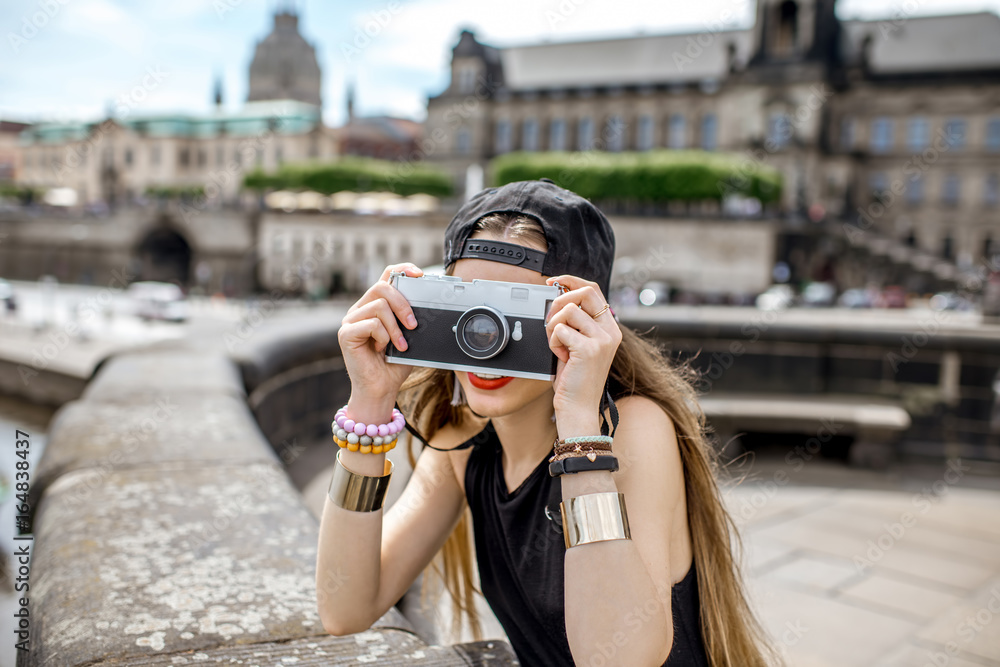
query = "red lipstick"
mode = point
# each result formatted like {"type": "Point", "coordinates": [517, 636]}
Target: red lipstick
{"type": "Point", "coordinates": [482, 383]}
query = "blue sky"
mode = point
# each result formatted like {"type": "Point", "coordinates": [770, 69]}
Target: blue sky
{"type": "Point", "coordinates": [88, 55]}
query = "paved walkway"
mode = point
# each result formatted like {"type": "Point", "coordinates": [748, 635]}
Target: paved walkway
{"type": "Point", "coordinates": [875, 577]}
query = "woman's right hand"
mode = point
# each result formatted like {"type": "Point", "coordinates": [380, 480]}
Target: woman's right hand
{"type": "Point", "coordinates": [366, 331]}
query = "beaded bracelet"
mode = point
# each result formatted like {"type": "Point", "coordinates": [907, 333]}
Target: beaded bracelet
{"type": "Point", "coordinates": [367, 438]}
{"type": "Point", "coordinates": [588, 446]}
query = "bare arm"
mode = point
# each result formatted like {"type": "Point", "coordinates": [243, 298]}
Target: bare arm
{"type": "Point", "coordinates": [363, 568]}
{"type": "Point", "coordinates": [617, 593]}
{"type": "Point", "coordinates": [364, 563]}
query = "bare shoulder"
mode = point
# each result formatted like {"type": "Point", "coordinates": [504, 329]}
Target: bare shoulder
{"type": "Point", "coordinates": [646, 440]}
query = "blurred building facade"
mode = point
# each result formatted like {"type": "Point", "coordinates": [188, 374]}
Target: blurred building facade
{"type": "Point", "coordinates": [893, 124]}
{"type": "Point", "coordinates": [122, 157]}
{"type": "Point", "coordinates": [10, 153]}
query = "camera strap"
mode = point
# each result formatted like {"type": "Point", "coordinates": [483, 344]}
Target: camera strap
{"type": "Point", "coordinates": [465, 445]}
{"type": "Point", "coordinates": [608, 403]}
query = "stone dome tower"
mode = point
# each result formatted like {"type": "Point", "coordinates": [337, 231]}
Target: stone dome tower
{"type": "Point", "coordinates": [284, 65]}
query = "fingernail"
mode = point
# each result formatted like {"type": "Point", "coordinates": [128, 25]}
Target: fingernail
{"type": "Point", "coordinates": [411, 320]}
{"type": "Point", "coordinates": [401, 343]}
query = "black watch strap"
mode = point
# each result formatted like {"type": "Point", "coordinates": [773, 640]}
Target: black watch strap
{"type": "Point", "coordinates": [583, 464]}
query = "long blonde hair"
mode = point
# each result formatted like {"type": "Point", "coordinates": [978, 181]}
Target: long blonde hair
{"type": "Point", "coordinates": [731, 632]}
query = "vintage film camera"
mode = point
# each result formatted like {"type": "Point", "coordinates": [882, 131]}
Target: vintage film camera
{"type": "Point", "coordinates": [483, 326]}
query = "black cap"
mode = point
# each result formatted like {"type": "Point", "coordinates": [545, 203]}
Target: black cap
{"type": "Point", "coordinates": [580, 239]}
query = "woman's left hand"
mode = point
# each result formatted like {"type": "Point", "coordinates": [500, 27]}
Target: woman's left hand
{"type": "Point", "coordinates": [585, 347]}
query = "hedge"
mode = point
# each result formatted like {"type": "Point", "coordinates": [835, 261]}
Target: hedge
{"type": "Point", "coordinates": [356, 174]}
{"type": "Point", "coordinates": [659, 175]}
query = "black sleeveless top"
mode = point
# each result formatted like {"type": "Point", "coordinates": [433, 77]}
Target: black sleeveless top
{"type": "Point", "coordinates": [521, 553]}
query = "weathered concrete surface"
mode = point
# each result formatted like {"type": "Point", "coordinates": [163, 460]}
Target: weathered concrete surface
{"type": "Point", "coordinates": [391, 648]}
{"type": "Point", "coordinates": [167, 530]}
{"type": "Point", "coordinates": [173, 558]}
{"type": "Point", "coordinates": [144, 377]}
{"type": "Point", "coordinates": [102, 437]}
{"type": "Point", "coordinates": [43, 386]}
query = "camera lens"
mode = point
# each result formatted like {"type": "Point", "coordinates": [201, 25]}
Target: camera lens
{"type": "Point", "coordinates": [482, 332]}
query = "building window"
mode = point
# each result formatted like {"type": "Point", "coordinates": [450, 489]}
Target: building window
{"type": "Point", "coordinates": [220, 156]}
{"type": "Point", "coordinates": [463, 142]}
{"type": "Point", "coordinates": [779, 131]}
{"type": "Point", "coordinates": [918, 133]}
{"type": "Point", "coordinates": [947, 247]}
{"type": "Point", "coordinates": [585, 134]}
{"type": "Point", "coordinates": [557, 135]}
{"type": "Point", "coordinates": [202, 157]}
{"type": "Point", "coordinates": [847, 133]}
{"type": "Point", "coordinates": [993, 135]}
{"type": "Point", "coordinates": [529, 140]}
{"type": "Point", "coordinates": [615, 134]}
{"type": "Point", "coordinates": [950, 190]}
{"type": "Point", "coordinates": [677, 134]}
{"type": "Point", "coordinates": [183, 156]}
{"type": "Point", "coordinates": [467, 79]}
{"type": "Point", "coordinates": [881, 135]}
{"type": "Point", "coordinates": [915, 191]}
{"type": "Point", "coordinates": [644, 141]}
{"type": "Point", "coordinates": [279, 155]}
{"type": "Point", "coordinates": [709, 130]}
{"type": "Point", "coordinates": [128, 156]}
{"type": "Point", "coordinates": [258, 155]}
{"type": "Point", "coordinates": [991, 191]}
{"type": "Point", "coordinates": [879, 184]}
{"type": "Point", "coordinates": [954, 132]}
{"type": "Point", "coordinates": [502, 139]}
{"type": "Point", "coordinates": [154, 156]}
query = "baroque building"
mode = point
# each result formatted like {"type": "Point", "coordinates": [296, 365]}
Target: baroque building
{"type": "Point", "coordinates": [891, 126]}
{"type": "Point", "coordinates": [284, 65]}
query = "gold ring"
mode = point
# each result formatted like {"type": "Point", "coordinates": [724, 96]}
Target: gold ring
{"type": "Point", "coordinates": [602, 311]}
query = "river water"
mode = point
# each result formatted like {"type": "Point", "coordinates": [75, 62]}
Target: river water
{"type": "Point", "coordinates": [15, 415]}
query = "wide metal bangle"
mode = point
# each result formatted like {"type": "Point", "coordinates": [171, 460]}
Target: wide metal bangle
{"type": "Point", "coordinates": [594, 517]}
{"type": "Point", "coordinates": [358, 493]}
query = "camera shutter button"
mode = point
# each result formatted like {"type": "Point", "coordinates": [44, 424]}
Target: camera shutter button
{"type": "Point", "coordinates": [516, 334]}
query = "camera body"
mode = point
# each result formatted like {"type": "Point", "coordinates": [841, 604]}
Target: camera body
{"type": "Point", "coordinates": [482, 326]}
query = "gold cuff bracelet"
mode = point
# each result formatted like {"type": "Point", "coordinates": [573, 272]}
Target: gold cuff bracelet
{"type": "Point", "coordinates": [358, 493]}
{"type": "Point", "coordinates": [594, 517]}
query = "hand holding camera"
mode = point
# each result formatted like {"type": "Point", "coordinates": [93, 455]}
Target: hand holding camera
{"type": "Point", "coordinates": [584, 336]}
{"type": "Point", "coordinates": [371, 325]}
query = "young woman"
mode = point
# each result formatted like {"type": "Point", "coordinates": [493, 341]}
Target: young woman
{"type": "Point", "coordinates": [643, 572]}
